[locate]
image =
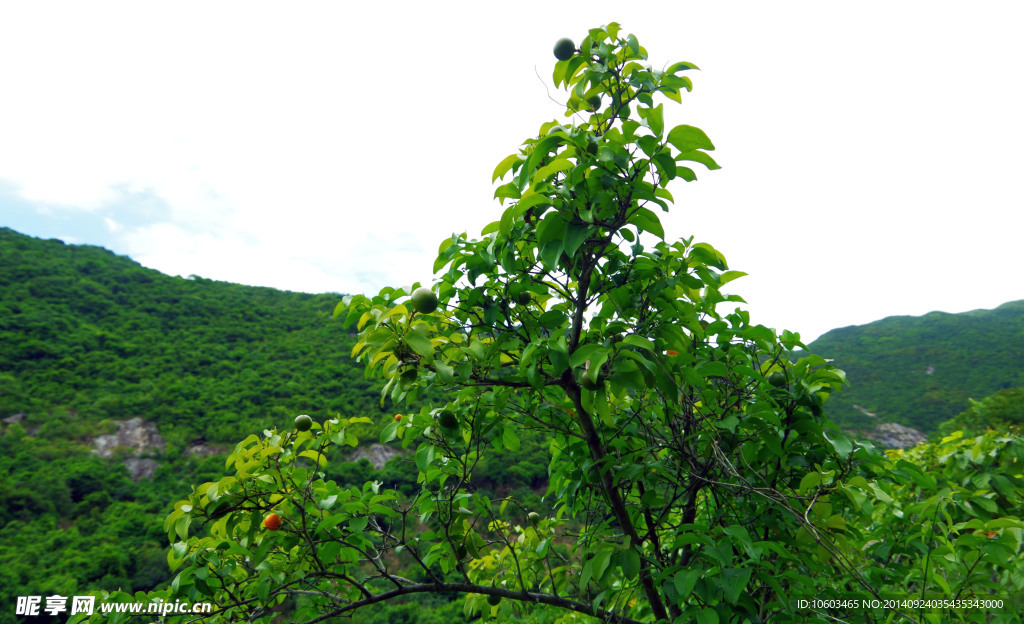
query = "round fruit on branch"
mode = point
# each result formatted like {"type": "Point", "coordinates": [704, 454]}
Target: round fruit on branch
{"type": "Point", "coordinates": [447, 419]}
{"type": "Point", "coordinates": [272, 522]}
{"type": "Point", "coordinates": [303, 422]}
{"type": "Point", "coordinates": [564, 49]}
{"type": "Point", "coordinates": [424, 300]}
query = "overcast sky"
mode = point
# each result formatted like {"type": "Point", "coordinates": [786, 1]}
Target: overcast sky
{"type": "Point", "coordinates": [872, 151]}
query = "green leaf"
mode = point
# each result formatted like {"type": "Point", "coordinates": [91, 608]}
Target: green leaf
{"type": "Point", "coordinates": [425, 456]}
{"type": "Point", "coordinates": [504, 166]}
{"type": "Point", "coordinates": [634, 340]}
{"type": "Point", "coordinates": [729, 276]}
{"type": "Point", "coordinates": [655, 118]}
{"type": "Point", "coordinates": [734, 581]}
{"type": "Point", "coordinates": [707, 615]}
{"type": "Point", "coordinates": [842, 445]}
{"type": "Point", "coordinates": [714, 369]}
{"type": "Point", "coordinates": [510, 439]}
{"type": "Point", "coordinates": [684, 581]}
{"type": "Point", "coordinates": [688, 138]}
{"type": "Point", "coordinates": [550, 252]}
{"type": "Point", "coordinates": [551, 228]}
{"type": "Point", "coordinates": [811, 480]}
{"type": "Point", "coordinates": [681, 66]}
{"type": "Point", "coordinates": [575, 234]}
{"type": "Point", "coordinates": [389, 432]}
{"type": "Point", "coordinates": [647, 221]}
{"type": "Point", "coordinates": [629, 561]}
{"type": "Point", "coordinates": [699, 157]}
{"type": "Point", "coordinates": [667, 164]}
{"type": "Point", "coordinates": [555, 166]}
{"type": "Point", "coordinates": [584, 353]}
{"type": "Point", "coordinates": [420, 344]}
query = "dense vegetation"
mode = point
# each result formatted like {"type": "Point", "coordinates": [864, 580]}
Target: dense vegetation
{"type": "Point", "coordinates": [88, 338]}
{"type": "Point", "coordinates": [692, 472]}
{"type": "Point", "coordinates": [72, 522]}
{"type": "Point", "coordinates": [98, 335]}
{"type": "Point", "coordinates": [921, 371]}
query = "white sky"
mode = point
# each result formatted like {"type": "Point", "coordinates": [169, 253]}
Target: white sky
{"type": "Point", "coordinates": [871, 151]}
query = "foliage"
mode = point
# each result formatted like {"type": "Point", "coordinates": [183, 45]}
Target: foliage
{"type": "Point", "coordinates": [572, 350]}
{"type": "Point", "coordinates": [942, 520]}
{"type": "Point", "coordinates": [88, 338]}
{"type": "Point", "coordinates": [684, 485]}
{"type": "Point", "coordinates": [1002, 412]}
{"type": "Point", "coordinates": [921, 371]}
{"type": "Point", "coordinates": [85, 331]}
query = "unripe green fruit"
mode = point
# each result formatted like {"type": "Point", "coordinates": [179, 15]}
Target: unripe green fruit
{"type": "Point", "coordinates": [594, 101]}
{"type": "Point", "coordinates": [533, 518]}
{"type": "Point", "coordinates": [564, 49]}
{"type": "Point", "coordinates": [587, 384]}
{"type": "Point", "coordinates": [303, 422]}
{"type": "Point", "coordinates": [424, 300]}
{"type": "Point", "coordinates": [524, 298]}
{"type": "Point", "coordinates": [461, 552]}
{"type": "Point", "coordinates": [777, 379]}
{"type": "Point", "coordinates": [448, 420]}
{"type": "Point", "coordinates": [493, 600]}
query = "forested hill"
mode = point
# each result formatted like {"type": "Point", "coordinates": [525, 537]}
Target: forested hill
{"type": "Point", "coordinates": [90, 340]}
{"type": "Point", "coordinates": [85, 331]}
{"type": "Point", "coordinates": [921, 370]}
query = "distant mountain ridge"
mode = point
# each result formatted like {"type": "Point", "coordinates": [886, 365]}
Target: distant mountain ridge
{"type": "Point", "coordinates": [83, 328]}
{"type": "Point", "coordinates": [919, 371]}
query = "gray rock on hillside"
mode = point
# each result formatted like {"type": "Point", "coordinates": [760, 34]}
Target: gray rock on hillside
{"type": "Point", "coordinates": [137, 438]}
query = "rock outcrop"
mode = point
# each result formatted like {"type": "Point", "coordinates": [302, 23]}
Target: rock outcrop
{"type": "Point", "coordinates": [377, 454]}
{"type": "Point", "coordinates": [134, 438]}
{"type": "Point", "coordinates": [893, 435]}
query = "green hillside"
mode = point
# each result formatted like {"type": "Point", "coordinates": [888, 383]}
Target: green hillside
{"type": "Point", "coordinates": [920, 371]}
{"type": "Point", "coordinates": [83, 330]}
{"type": "Point", "coordinates": [89, 339]}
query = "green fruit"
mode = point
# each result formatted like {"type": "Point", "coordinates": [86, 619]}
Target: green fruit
{"type": "Point", "coordinates": [448, 420]}
{"type": "Point", "coordinates": [493, 600]}
{"type": "Point", "coordinates": [524, 298]}
{"type": "Point", "coordinates": [564, 49]}
{"type": "Point", "coordinates": [303, 422]}
{"type": "Point", "coordinates": [533, 518]}
{"type": "Point", "coordinates": [777, 379]}
{"type": "Point", "coordinates": [461, 552]}
{"type": "Point", "coordinates": [424, 300]}
{"type": "Point", "coordinates": [587, 384]}
{"type": "Point", "coordinates": [594, 101]}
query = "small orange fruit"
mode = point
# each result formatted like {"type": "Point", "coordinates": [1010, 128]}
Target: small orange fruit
{"type": "Point", "coordinates": [671, 352]}
{"type": "Point", "coordinates": [272, 522]}
{"type": "Point", "coordinates": [398, 417]}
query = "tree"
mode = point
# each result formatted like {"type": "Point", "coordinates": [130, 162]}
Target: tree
{"type": "Point", "coordinates": [692, 475]}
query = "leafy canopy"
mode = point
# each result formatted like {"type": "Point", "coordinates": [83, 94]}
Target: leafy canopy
{"type": "Point", "coordinates": [683, 485]}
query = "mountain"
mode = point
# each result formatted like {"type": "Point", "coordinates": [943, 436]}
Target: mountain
{"type": "Point", "coordinates": [919, 371]}
{"type": "Point", "coordinates": [87, 332]}
{"type": "Point", "coordinates": [120, 387]}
